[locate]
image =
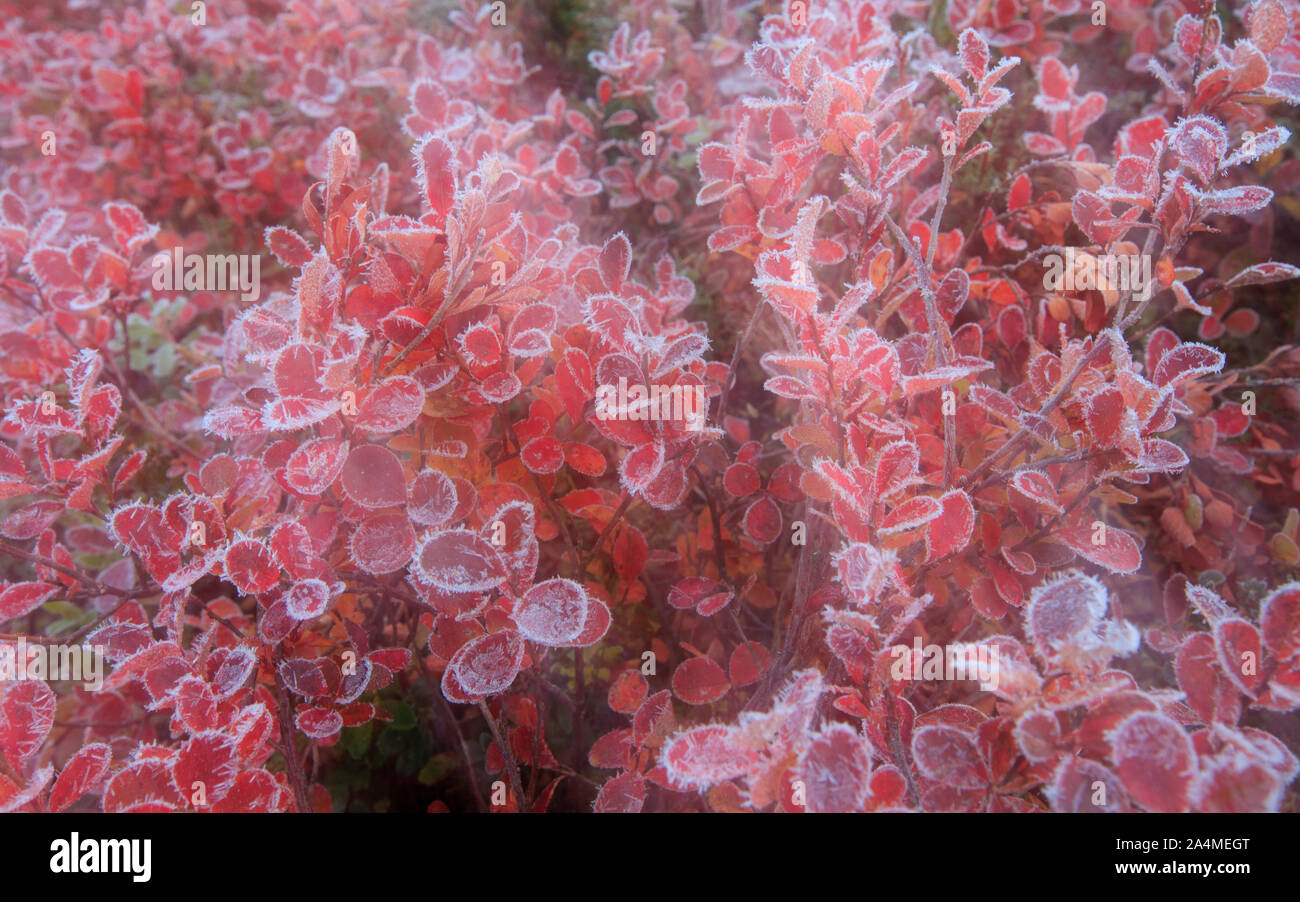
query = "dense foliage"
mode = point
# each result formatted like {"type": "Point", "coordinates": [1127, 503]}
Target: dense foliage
{"type": "Point", "coordinates": [364, 535]}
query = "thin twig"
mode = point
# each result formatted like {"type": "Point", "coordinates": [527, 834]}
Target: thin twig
{"type": "Point", "coordinates": [512, 768]}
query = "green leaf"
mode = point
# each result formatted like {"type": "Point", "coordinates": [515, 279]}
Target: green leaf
{"type": "Point", "coordinates": [415, 753]}
{"type": "Point", "coordinates": [436, 768]}
{"type": "Point", "coordinates": [65, 609]}
{"type": "Point", "coordinates": [357, 739]}
{"type": "Point", "coordinates": [403, 714]}
{"type": "Point", "coordinates": [164, 361]}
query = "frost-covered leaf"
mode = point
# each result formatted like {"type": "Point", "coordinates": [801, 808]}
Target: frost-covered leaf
{"type": "Point", "coordinates": [1156, 761]}
{"type": "Point", "coordinates": [552, 612]}
{"type": "Point", "coordinates": [457, 560]}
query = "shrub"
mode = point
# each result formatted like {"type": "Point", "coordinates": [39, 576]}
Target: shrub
{"type": "Point", "coordinates": [846, 406]}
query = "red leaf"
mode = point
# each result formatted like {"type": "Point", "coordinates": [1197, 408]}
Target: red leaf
{"type": "Point", "coordinates": [1208, 691]}
{"type": "Point", "coordinates": [896, 468]}
{"type": "Point", "coordinates": [485, 665]}
{"type": "Point", "coordinates": [1062, 611]}
{"type": "Point", "coordinates": [642, 466]}
{"type": "Point", "coordinates": [1037, 488]}
{"type": "Point", "coordinates": [1241, 654]}
{"type": "Point", "coordinates": [130, 230]}
{"type": "Point", "coordinates": [20, 599]}
{"type": "Point", "coordinates": [435, 164]}
{"type": "Point", "coordinates": [542, 455]}
{"type": "Point", "coordinates": [584, 458]}
{"type": "Point", "coordinates": [615, 260]}
{"type": "Point", "coordinates": [314, 466]}
{"type": "Point", "coordinates": [949, 756]}
{"type": "Point", "coordinates": [699, 681]}
{"type": "Point", "coordinates": [1279, 621]}
{"type": "Point", "coordinates": [835, 769]}
{"type": "Point", "coordinates": [394, 404]}
{"type": "Point", "coordinates": [145, 785]}
{"type": "Point", "coordinates": [206, 758]}
{"type": "Point", "coordinates": [373, 477]}
{"type": "Point", "coordinates": [307, 599]}
{"type": "Point", "coordinates": [974, 53]}
{"type": "Point", "coordinates": [30, 521]}
{"type": "Point", "coordinates": [456, 560]}
{"type": "Point", "coordinates": [1156, 761]}
{"type": "Point", "coordinates": [83, 773]}
{"type": "Point", "coordinates": [26, 716]}
{"type": "Point", "coordinates": [252, 792]}
{"type": "Point", "coordinates": [631, 552]}
{"type": "Point", "coordinates": [319, 724]}
{"type": "Point", "coordinates": [613, 751]}
{"type": "Point", "coordinates": [251, 567]}
{"type": "Point", "coordinates": [793, 388]}
{"type": "Point", "coordinates": [625, 794]}
{"type": "Point", "coordinates": [552, 612]}
{"type": "Point", "coordinates": [288, 246]}
{"type": "Point", "coordinates": [1075, 788]}
{"type": "Point", "coordinates": [628, 691]}
{"type": "Point", "coordinates": [1104, 412]}
{"type": "Point", "coordinates": [951, 530]}
{"type": "Point", "coordinates": [748, 663]}
{"type": "Point", "coordinates": [1187, 361]}
{"type": "Point", "coordinates": [1105, 546]}
{"type": "Point", "coordinates": [432, 499]}
{"type": "Point", "coordinates": [1237, 785]}
{"type": "Point", "coordinates": [196, 707]}
{"type": "Point", "coordinates": [705, 756]}
{"type": "Point", "coordinates": [699, 591]}
{"type": "Point", "coordinates": [654, 720]}
{"type": "Point", "coordinates": [741, 480]}
{"type": "Point", "coordinates": [762, 521]}
{"type": "Point", "coordinates": [573, 378]}
{"type": "Point", "coordinates": [912, 513]}
{"type": "Point", "coordinates": [383, 543]}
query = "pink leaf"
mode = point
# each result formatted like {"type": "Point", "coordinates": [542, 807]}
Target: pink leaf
{"type": "Point", "coordinates": [974, 53]}
{"type": "Point", "coordinates": [315, 465]}
{"type": "Point", "coordinates": [373, 477]}
{"type": "Point", "coordinates": [394, 404]}
{"type": "Point", "coordinates": [383, 543]}
{"type": "Point", "coordinates": [705, 756]}
{"type": "Point", "coordinates": [432, 500]}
